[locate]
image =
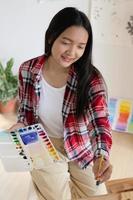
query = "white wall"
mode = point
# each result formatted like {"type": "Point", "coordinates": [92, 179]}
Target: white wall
{"type": "Point", "coordinates": [116, 65]}
{"type": "Point", "coordinates": [113, 45]}
{"type": "Point", "coordinates": [23, 24]}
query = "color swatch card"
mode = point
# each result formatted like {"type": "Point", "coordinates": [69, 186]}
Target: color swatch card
{"type": "Point", "coordinates": [30, 145]}
{"type": "Point", "coordinates": [121, 114]}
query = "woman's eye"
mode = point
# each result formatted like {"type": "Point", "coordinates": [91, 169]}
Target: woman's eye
{"type": "Point", "coordinates": [65, 43]}
{"type": "Point", "coordinates": [81, 47]}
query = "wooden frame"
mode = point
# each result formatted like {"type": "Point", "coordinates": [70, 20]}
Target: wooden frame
{"type": "Point", "coordinates": [119, 189]}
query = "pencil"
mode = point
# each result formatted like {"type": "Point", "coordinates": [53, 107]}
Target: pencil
{"type": "Point", "coordinates": [99, 168]}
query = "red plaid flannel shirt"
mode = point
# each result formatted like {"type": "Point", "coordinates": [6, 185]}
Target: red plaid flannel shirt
{"type": "Point", "coordinates": [85, 138]}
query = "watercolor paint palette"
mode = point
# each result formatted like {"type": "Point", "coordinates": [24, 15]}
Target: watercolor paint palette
{"type": "Point", "coordinates": [27, 148]}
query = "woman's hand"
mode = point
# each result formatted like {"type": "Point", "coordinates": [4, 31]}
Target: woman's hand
{"type": "Point", "coordinates": [102, 170]}
{"type": "Point", "coordinates": [15, 126]}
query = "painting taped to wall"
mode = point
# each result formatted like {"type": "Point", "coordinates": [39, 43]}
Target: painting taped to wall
{"type": "Point", "coordinates": [112, 21]}
{"type": "Point", "coordinates": [121, 114]}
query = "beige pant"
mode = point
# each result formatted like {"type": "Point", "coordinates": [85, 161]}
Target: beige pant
{"type": "Point", "coordinates": [65, 180]}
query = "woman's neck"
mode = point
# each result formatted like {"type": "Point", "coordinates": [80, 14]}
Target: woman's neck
{"type": "Point", "coordinates": [54, 74]}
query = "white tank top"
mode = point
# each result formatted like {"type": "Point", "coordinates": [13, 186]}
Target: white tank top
{"type": "Point", "coordinates": [50, 108]}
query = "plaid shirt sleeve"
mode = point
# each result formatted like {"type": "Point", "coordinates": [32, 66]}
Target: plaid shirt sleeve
{"type": "Point", "coordinates": [99, 126]}
{"type": "Point", "coordinates": [21, 111]}
{"type": "Point", "coordinates": [26, 96]}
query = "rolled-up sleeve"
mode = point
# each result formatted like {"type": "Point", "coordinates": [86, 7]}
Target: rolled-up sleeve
{"type": "Point", "coordinates": [99, 125]}
{"type": "Point", "coordinates": [21, 110]}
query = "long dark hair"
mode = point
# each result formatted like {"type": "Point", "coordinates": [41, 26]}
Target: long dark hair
{"type": "Point", "coordinates": [65, 18]}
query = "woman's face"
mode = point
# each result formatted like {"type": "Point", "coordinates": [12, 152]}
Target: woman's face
{"type": "Point", "coordinates": [69, 46]}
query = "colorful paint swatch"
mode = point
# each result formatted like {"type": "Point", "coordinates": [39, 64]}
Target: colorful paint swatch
{"type": "Point", "coordinates": [121, 114]}
{"type": "Point", "coordinates": [50, 147]}
{"type": "Point", "coordinates": [112, 108]}
{"type": "Point", "coordinates": [130, 125]}
{"type": "Point", "coordinates": [124, 111]}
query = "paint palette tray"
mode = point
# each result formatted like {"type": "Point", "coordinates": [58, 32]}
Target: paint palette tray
{"type": "Point", "coordinates": [27, 148]}
{"type": "Point", "coordinates": [12, 154]}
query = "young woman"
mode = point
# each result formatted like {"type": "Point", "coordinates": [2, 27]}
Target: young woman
{"type": "Point", "coordinates": [64, 91]}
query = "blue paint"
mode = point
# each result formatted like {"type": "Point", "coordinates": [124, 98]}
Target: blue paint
{"type": "Point", "coordinates": [28, 138]}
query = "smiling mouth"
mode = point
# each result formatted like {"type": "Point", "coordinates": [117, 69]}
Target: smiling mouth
{"type": "Point", "coordinates": [66, 59]}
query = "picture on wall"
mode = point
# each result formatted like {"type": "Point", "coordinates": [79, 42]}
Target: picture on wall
{"type": "Point", "coordinates": [112, 21]}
